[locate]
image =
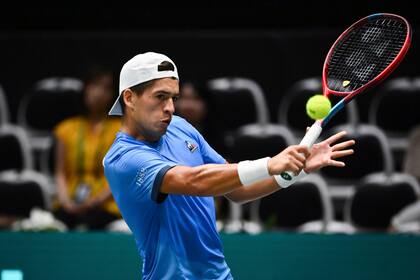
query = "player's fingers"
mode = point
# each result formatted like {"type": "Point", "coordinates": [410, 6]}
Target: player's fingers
{"type": "Point", "coordinates": [298, 163]}
{"type": "Point", "coordinates": [303, 149]}
{"type": "Point", "coordinates": [298, 156]}
{"type": "Point", "coordinates": [292, 167]}
{"type": "Point", "coordinates": [336, 163]}
{"type": "Point", "coordinates": [344, 153]}
{"type": "Point", "coordinates": [343, 145]}
{"type": "Point", "coordinates": [336, 137]}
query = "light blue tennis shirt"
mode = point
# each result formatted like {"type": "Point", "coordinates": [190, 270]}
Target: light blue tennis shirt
{"type": "Point", "coordinates": [176, 235]}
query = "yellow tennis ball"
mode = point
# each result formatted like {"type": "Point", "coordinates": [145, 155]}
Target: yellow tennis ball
{"type": "Point", "coordinates": [318, 107]}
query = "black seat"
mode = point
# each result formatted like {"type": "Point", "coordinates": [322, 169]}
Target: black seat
{"type": "Point", "coordinates": [235, 102]}
{"type": "Point", "coordinates": [50, 101]}
{"type": "Point", "coordinates": [255, 141]}
{"type": "Point", "coordinates": [249, 142]}
{"type": "Point", "coordinates": [371, 154]}
{"type": "Point", "coordinates": [22, 191]}
{"type": "Point", "coordinates": [394, 109]}
{"type": "Point", "coordinates": [304, 202]}
{"type": "Point", "coordinates": [14, 149]}
{"type": "Point", "coordinates": [378, 198]}
{"type": "Point", "coordinates": [4, 108]}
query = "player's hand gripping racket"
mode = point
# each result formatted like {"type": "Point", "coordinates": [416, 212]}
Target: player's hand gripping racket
{"type": "Point", "coordinates": [364, 55]}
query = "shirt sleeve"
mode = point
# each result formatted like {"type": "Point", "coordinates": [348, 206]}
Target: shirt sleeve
{"type": "Point", "coordinates": [147, 171]}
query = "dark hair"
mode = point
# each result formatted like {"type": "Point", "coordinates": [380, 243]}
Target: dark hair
{"type": "Point", "coordinates": [137, 89]}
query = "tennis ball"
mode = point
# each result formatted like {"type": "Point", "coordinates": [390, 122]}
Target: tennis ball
{"type": "Point", "coordinates": [318, 107]}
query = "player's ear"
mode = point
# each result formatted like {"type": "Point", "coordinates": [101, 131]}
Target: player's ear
{"type": "Point", "coordinates": [128, 95]}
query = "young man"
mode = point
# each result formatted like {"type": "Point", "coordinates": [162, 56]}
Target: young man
{"type": "Point", "coordinates": [163, 174]}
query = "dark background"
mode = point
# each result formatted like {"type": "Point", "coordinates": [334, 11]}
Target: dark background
{"type": "Point", "coordinates": [274, 42]}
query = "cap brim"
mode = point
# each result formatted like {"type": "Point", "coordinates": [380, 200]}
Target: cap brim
{"type": "Point", "coordinates": [116, 109]}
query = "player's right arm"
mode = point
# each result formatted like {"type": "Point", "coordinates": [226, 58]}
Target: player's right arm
{"type": "Point", "coordinates": [220, 179]}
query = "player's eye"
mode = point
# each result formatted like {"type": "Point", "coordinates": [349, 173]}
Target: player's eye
{"type": "Point", "coordinates": [175, 98]}
{"type": "Point", "coordinates": [161, 97]}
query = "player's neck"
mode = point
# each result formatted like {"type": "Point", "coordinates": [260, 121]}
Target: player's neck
{"type": "Point", "coordinates": [129, 128]}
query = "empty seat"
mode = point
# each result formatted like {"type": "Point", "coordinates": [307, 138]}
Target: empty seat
{"type": "Point", "coordinates": [50, 101]}
{"type": "Point", "coordinates": [251, 142]}
{"type": "Point", "coordinates": [394, 109]}
{"type": "Point", "coordinates": [371, 154]}
{"type": "Point", "coordinates": [22, 191]}
{"type": "Point", "coordinates": [291, 208]}
{"type": "Point", "coordinates": [378, 198]}
{"type": "Point", "coordinates": [4, 108]}
{"type": "Point", "coordinates": [235, 102]}
{"type": "Point", "coordinates": [255, 141]}
{"type": "Point", "coordinates": [14, 149]}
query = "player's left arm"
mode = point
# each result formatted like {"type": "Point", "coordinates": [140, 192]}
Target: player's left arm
{"type": "Point", "coordinates": [322, 154]}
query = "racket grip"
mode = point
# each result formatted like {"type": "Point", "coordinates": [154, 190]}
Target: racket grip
{"type": "Point", "coordinates": [312, 134]}
{"type": "Point", "coordinates": [287, 178]}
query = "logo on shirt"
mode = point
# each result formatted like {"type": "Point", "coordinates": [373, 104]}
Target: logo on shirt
{"type": "Point", "coordinates": [191, 146]}
{"type": "Point", "coordinates": [140, 177]}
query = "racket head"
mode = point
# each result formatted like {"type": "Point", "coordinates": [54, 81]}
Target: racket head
{"type": "Point", "coordinates": [365, 54]}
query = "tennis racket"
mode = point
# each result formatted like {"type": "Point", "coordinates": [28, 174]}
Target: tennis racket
{"type": "Point", "coordinates": [362, 56]}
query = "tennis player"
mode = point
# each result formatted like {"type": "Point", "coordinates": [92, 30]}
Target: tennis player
{"type": "Point", "coordinates": [163, 175]}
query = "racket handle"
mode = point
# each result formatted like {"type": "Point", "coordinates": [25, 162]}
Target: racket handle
{"type": "Point", "coordinates": [287, 178]}
{"type": "Point", "coordinates": [312, 134]}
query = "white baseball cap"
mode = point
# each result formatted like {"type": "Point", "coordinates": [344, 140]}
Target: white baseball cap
{"type": "Point", "coordinates": [139, 69]}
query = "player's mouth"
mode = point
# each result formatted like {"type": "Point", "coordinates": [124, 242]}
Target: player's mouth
{"type": "Point", "coordinates": [166, 121]}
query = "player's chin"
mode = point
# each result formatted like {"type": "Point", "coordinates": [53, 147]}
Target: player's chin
{"type": "Point", "coordinates": [162, 127]}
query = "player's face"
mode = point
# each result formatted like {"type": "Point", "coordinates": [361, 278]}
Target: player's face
{"type": "Point", "coordinates": [153, 109]}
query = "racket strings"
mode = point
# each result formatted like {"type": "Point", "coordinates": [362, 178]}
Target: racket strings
{"type": "Point", "coordinates": [364, 53]}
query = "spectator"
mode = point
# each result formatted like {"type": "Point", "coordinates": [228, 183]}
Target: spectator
{"type": "Point", "coordinates": [83, 195]}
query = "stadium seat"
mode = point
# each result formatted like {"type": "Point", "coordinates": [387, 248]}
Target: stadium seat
{"type": "Point", "coordinates": [307, 201]}
{"type": "Point", "coordinates": [292, 108]}
{"type": "Point", "coordinates": [251, 142]}
{"type": "Point", "coordinates": [4, 108]}
{"type": "Point", "coordinates": [50, 101]}
{"type": "Point", "coordinates": [378, 198]}
{"type": "Point", "coordinates": [14, 149]}
{"type": "Point", "coordinates": [393, 109]}
{"type": "Point", "coordinates": [371, 154]}
{"type": "Point", "coordinates": [255, 141]}
{"type": "Point", "coordinates": [22, 191]}
{"type": "Point", "coordinates": [235, 102]}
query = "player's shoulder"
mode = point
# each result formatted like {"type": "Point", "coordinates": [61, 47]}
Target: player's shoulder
{"type": "Point", "coordinates": [126, 149]}
{"type": "Point", "coordinates": [182, 124]}
{"type": "Point", "coordinates": [178, 121]}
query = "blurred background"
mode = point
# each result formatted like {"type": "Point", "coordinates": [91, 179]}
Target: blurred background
{"type": "Point", "coordinates": [246, 70]}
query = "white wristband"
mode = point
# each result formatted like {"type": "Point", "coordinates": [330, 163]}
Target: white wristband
{"type": "Point", "coordinates": [284, 180]}
{"type": "Point", "coordinates": [253, 171]}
